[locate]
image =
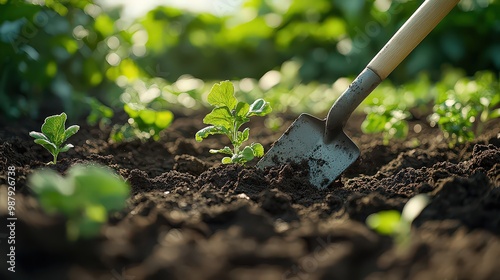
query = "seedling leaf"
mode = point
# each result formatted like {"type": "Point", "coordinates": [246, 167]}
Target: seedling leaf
{"type": "Point", "coordinates": [247, 153]}
{"type": "Point", "coordinates": [38, 135]}
{"type": "Point", "coordinates": [258, 149]}
{"type": "Point", "coordinates": [84, 196]}
{"type": "Point", "coordinates": [47, 145]}
{"type": "Point", "coordinates": [52, 190]}
{"type": "Point", "coordinates": [225, 150]}
{"type": "Point", "coordinates": [384, 222]}
{"type": "Point", "coordinates": [70, 131]}
{"type": "Point", "coordinates": [147, 116]}
{"type": "Point", "coordinates": [210, 130]}
{"type": "Point", "coordinates": [243, 135]}
{"type": "Point", "coordinates": [219, 117]}
{"type": "Point", "coordinates": [53, 128]}
{"type": "Point", "coordinates": [222, 94]}
{"type": "Point", "coordinates": [66, 148]}
{"type": "Point", "coordinates": [259, 108]}
{"type": "Point", "coordinates": [242, 110]}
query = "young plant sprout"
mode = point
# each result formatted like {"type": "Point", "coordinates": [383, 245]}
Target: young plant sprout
{"type": "Point", "coordinates": [54, 134]}
{"type": "Point", "coordinates": [227, 118]}
{"type": "Point", "coordinates": [396, 224]}
{"type": "Point", "coordinates": [84, 196]}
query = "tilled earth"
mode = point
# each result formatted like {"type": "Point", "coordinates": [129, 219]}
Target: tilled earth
{"type": "Point", "coordinates": [189, 217]}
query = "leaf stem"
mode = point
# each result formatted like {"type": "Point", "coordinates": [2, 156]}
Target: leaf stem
{"type": "Point", "coordinates": [55, 158]}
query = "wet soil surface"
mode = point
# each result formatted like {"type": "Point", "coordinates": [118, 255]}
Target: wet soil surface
{"type": "Point", "coordinates": [189, 217]}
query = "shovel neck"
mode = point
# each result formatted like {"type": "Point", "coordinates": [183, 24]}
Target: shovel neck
{"type": "Point", "coordinates": [350, 99]}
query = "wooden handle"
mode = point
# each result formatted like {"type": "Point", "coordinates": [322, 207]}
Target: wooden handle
{"type": "Point", "coordinates": [427, 16]}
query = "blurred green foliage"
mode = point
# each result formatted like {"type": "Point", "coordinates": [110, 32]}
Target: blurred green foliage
{"type": "Point", "coordinates": [463, 105]}
{"type": "Point", "coordinates": [331, 39]}
{"type": "Point", "coordinates": [143, 123]}
{"type": "Point", "coordinates": [55, 54]}
{"type": "Point", "coordinates": [299, 55]}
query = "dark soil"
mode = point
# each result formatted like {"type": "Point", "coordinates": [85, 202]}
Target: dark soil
{"type": "Point", "coordinates": [190, 217]}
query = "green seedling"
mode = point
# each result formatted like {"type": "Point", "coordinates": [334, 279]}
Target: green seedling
{"type": "Point", "coordinates": [395, 224]}
{"type": "Point", "coordinates": [85, 196]}
{"type": "Point", "coordinates": [54, 134]}
{"type": "Point", "coordinates": [227, 118]}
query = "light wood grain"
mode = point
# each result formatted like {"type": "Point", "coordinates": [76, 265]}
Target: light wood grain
{"type": "Point", "coordinates": [428, 15]}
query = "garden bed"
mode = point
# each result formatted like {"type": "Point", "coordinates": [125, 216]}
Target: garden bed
{"type": "Point", "coordinates": [189, 217]}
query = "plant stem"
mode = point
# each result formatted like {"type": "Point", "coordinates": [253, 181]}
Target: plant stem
{"type": "Point", "coordinates": [236, 147]}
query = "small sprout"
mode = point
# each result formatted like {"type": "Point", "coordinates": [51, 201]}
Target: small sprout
{"type": "Point", "coordinates": [54, 135]}
{"type": "Point", "coordinates": [396, 224]}
{"type": "Point", "coordinates": [227, 118]}
{"type": "Point", "coordinates": [84, 197]}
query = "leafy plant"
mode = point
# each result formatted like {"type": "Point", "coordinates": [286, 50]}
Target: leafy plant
{"type": "Point", "coordinates": [54, 135]}
{"type": "Point", "coordinates": [388, 120]}
{"type": "Point", "coordinates": [143, 123]}
{"type": "Point", "coordinates": [85, 196]}
{"type": "Point", "coordinates": [227, 118]}
{"type": "Point", "coordinates": [463, 106]}
{"type": "Point", "coordinates": [396, 224]}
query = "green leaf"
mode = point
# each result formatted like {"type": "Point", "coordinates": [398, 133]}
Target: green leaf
{"type": "Point", "coordinates": [85, 196]}
{"type": "Point", "coordinates": [132, 109]}
{"type": "Point", "coordinates": [259, 108]}
{"type": "Point", "coordinates": [52, 190]}
{"type": "Point", "coordinates": [226, 150]}
{"type": "Point", "coordinates": [258, 149]}
{"type": "Point", "coordinates": [494, 114]}
{"type": "Point", "coordinates": [242, 110]}
{"type": "Point", "coordinates": [374, 123]}
{"type": "Point", "coordinates": [99, 185]}
{"type": "Point", "coordinates": [38, 135]}
{"type": "Point", "coordinates": [97, 213]}
{"type": "Point", "coordinates": [222, 94]}
{"type": "Point", "coordinates": [89, 228]}
{"type": "Point", "coordinates": [385, 222]}
{"type": "Point", "coordinates": [227, 160]}
{"type": "Point", "coordinates": [147, 116]}
{"type": "Point", "coordinates": [164, 119]}
{"type": "Point", "coordinates": [242, 136]}
{"type": "Point", "coordinates": [247, 154]}
{"type": "Point", "coordinates": [220, 117]}
{"type": "Point", "coordinates": [210, 130]}
{"type": "Point", "coordinates": [70, 131]}
{"type": "Point", "coordinates": [53, 128]}
{"type": "Point", "coordinates": [47, 145]}
{"type": "Point", "coordinates": [66, 148]}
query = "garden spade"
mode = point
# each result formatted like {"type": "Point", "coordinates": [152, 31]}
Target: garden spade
{"type": "Point", "coordinates": [322, 143]}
